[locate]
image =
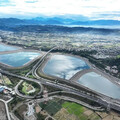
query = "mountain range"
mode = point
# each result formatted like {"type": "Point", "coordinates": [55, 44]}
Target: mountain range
{"type": "Point", "coordinates": [56, 21]}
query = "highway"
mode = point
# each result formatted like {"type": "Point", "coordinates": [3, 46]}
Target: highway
{"type": "Point", "coordinates": [103, 100]}
{"type": "Point", "coordinates": [113, 104]}
{"type": "Point", "coordinates": [19, 94]}
{"type": "Point", "coordinates": [26, 96]}
{"type": "Point", "coordinates": [36, 66]}
{"type": "Point", "coordinates": [67, 99]}
{"type": "Point", "coordinates": [79, 102]}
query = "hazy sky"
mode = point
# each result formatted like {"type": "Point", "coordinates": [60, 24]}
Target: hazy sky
{"type": "Point", "coordinates": [94, 9]}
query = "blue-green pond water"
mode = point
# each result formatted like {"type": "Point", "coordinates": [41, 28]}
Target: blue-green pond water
{"type": "Point", "coordinates": [18, 59]}
{"type": "Point", "coordinates": [100, 84]}
{"type": "Point", "coordinates": [64, 66]}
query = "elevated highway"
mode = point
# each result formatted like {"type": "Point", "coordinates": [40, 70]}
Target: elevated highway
{"type": "Point", "coordinates": [36, 66]}
{"type": "Point", "coordinates": [105, 101]}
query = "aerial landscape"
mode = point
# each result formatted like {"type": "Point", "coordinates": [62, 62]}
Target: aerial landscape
{"type": "Point", "coordinates": [59, 60]}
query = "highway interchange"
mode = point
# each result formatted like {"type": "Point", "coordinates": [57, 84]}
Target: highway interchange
{"type": "Point", "coordinates": [105, 101]}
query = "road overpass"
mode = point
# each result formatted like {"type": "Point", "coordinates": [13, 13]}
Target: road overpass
{"type": "Point", "coordinates": [36, 66]}
{"type": "Point", "coordinates": [105, 101]}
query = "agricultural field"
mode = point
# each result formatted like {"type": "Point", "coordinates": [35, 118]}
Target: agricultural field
{"type": "Point", "coordinates": [75, 109]}
{"type": "Point", "coordinates": [52, 106]}
{"type": "Point", "coordinates": [78, 112]}
{"type": "Point", "coordinates": [62, 110]}
{"type": "Point", "coordinates": [65, 110]}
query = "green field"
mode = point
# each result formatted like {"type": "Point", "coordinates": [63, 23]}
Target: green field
{"type": "Point", "coordinates": [118, 56]}
{"type": "Point", "coordinates": [52, 107]}
{"type": "Point", "coordinates": [75, 109]}
{"type": "Point", "coordinates": [72, 110]}
{"type": "Point", "coordinates": [26, 88]}
{"type": "Point", "coordinates": [7, 80]}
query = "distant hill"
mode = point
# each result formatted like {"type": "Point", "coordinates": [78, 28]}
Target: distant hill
{"type": "Point", "coordinates": [55, 21]}
{"type": "Point", "coordinates": [11, 21]}
{"type": "Point", "coordinates": [57, 24]}
{"type": "Point", "coordinates": [60, 29]}
{"type": "Point", "coordinates": [15, 21]}
{"type": "Point", "coordinates": [97, 22]}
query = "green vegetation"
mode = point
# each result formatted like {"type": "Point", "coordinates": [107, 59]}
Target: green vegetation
{"type": "Point", "coordinates": [14, 102]}
{"type": "Point", "coordinates": [11, 81]}
{"type": "Point", "coordinates": [73, 108]}
{"type": "Point", "coordinates": [26, 87]}
{"type": "Point", "coordinates": [7, 81]}
{"type": "Point", "coordinates": [55, 106]}
{"type": "Point", "coordinates": [118, 56]}
{"type": "Point", "coordinates": [24, 72]}
{"type": "Point", "coordinates": [52, 107]}
{"type": "Point", "coordinates": [40, 117]}
{"type": "Point", "coordinates": [31, 76]}
{"type": "Point", "coordinates": [113, 62]}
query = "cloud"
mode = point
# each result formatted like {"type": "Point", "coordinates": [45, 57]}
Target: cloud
{"type": "Point", "coordinates": [88, 8]}
{"type": "Point", "coordinates": [31, 1]}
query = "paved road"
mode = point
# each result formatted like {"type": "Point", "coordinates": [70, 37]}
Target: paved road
{"type": "Point", "coordinates": [6, 107]}
{"type": "Point", "coordinates": [36, 66]}
{"type": "Point", "coordinates": [105, 101]}
{"type": "Point", "coordinates": [26, 96]}
{"type": "Point", "coordinates": [19, 94]}
{"type": "Point", "coordinates": [79, 102]}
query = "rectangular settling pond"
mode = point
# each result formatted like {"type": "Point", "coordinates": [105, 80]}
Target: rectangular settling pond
{"type": "Point", "coordinates": [4, 47]}
{"type": "Point", "coordinates": [100, 84]}
{"type": "Point", "coordinates": [64, 66]}
{"type": "Point", "coordinates": [18, 59]}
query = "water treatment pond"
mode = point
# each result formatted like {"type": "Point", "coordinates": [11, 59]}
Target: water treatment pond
{"type": "Point", "coordinates": [100, 84]}
{"type": "Point", "coordinates": [64, 66]}
{"type": "Point", "coordinates": [6, 48]}
{"type": "Point", "coordinates": [18, 59]}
